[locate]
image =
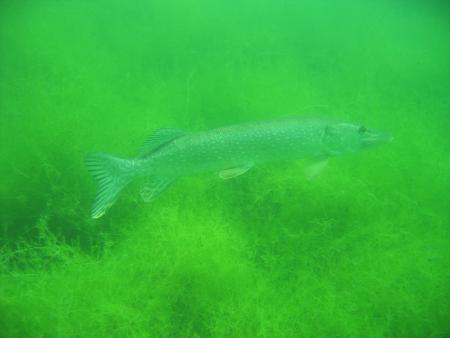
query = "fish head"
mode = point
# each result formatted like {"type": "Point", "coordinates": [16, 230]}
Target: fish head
{"type": "Point", "coordinates": [343, 138]}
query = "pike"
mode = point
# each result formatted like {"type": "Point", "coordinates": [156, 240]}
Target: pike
{"type": "Point", "coordinates": [228, 151]}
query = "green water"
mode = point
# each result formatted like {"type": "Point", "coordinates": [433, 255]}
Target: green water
{"type": "Point", "coordinates": [360, 251]}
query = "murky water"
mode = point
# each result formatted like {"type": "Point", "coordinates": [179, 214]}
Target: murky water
{"type": "Point", "coordinates": [361, 250]}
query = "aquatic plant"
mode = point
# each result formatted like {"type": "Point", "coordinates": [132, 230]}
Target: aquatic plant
{"type": "Point", "coordinates": [361, 251]}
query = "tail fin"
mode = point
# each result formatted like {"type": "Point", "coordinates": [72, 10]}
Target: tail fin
{"type": "Point", "coordinates": [112, 175]}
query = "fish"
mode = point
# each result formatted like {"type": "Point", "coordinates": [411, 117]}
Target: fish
{"type": "Point", "coordinates": [229, 152]}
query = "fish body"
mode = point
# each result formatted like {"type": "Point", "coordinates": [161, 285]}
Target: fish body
{"type": "Point", "coordinates": [239, 145]}
{"type": "Point", "coordinates": [229, 151]}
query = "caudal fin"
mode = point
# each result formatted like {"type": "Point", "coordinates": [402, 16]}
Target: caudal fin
{"type": "Point", "coordinates": [112, 175]}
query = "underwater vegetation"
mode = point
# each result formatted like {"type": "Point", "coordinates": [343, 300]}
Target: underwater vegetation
{"type": "Point", "coordinates": [360, 251]}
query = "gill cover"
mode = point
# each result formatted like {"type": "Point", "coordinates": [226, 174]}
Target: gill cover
{"type": "Point", "coordinates": [342, 138]}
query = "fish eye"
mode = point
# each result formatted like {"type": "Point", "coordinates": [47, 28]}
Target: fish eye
{"type": "Point", "coordinates": [362, 129]}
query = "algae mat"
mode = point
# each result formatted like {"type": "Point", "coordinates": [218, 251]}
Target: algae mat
{"type": "Point", "coordinates": [360, 251]}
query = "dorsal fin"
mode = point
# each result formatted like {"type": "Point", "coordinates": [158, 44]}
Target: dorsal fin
{"type": "Point", "coordinates": [159, 138]}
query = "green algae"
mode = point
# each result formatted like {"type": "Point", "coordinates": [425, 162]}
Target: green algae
{"type": "Point", "coordinates": [361, 251]}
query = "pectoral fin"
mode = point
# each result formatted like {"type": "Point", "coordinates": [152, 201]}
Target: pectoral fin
{"type": "Point", "coordinates": [234, 172]}
{"type": "Point", "coordinates": [153, 186]}
{"type": "Point", "coordinates": [314, 169]}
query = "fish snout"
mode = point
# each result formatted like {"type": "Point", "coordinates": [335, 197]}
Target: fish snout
{"type": "Point", "coordinates": [372, 138]}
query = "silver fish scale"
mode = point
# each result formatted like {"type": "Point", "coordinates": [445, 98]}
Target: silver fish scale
{"type": "Point", "coordinates": [239, 145]}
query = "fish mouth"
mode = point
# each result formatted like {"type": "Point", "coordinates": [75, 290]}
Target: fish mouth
{"type": "Point", "coordinates": [374, 138]}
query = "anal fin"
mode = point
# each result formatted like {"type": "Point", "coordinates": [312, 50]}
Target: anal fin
{"type": "Point", "coordinates": [153, 186]}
